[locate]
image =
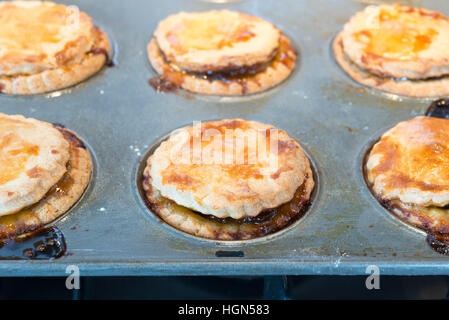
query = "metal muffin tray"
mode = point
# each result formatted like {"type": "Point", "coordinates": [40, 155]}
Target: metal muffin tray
{"type": "Point", "coordinates": [117, 113]}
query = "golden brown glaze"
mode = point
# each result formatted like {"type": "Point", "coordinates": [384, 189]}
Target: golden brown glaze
{"type": "Point", "coordinates": [42, 34]}
{"type": "Point", "coordinates": [13, 159]}
{"type": "Point", "coordinates": [206, 34]}
{"type": "Point", "coordinates": [398, 36]}
{"type": "Point", "coordinates": [46, 46]}
{"type": "Point", "coordinates": [30, 28]}
{"type": "Point", "coordinates": [14, 152]}
{"type": "Point", "coordinates": [420, 160]}
{"type": "Point", "coordinates": [396, 49]}
{"type": "Point", "coordinates": [414, 160]}
{"type": "Point", "coordinates": [244, 163]}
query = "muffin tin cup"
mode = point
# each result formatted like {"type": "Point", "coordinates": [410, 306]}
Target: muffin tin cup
{"type": "Point", "coordinates": [140, 198]}
{"type": "Point", "coordinates": [111, 232]}
{"type": "Point", "coordinates": [364, 184]}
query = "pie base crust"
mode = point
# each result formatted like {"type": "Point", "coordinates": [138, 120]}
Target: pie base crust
{"type": "Point", "coordinates": [59, 199]}
{"type": "Point", "coordinates": [198, 225]}
{"type": "Point", "coordinates": [430, 219]}
{"type": "Point", "coordinates": [62, 77]}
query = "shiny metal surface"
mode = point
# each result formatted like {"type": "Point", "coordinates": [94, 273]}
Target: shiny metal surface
{"type": "Point", "coordinates": [110, 232]}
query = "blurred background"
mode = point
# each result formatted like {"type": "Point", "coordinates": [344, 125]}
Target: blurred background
{"type": "Point", "coordinates": [276, 287]}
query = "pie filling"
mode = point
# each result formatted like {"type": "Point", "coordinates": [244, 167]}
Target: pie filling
{"type": "Point", "coordinates": [173, 76]}
{"type": "Point", "coordinates": [267, 222]}
{"type": "Point", "coordinates": [10, 225]}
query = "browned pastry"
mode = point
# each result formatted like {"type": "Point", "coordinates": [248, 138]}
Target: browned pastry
{"type": "Point", "coordinates": [46, 46]}
{"type": "Point", "coordinates": [396, 49]}
{"type": "Point", "coordinates": [214, 195]}
{"type": "Point", "coordinates": [408, 171]}
{"type": "Point", "coordinates": [34, 188]}
{"type": "Point", "coordinates": [219, 53]}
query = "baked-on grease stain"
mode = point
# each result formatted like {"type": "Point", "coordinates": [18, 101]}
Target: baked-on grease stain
{"type": "Point", "coordinates": [439, 243]}
{"type": "Point", "coordinates": [438, 109]}
{"type": "Point", "coordinates": [41, 244]}
{"type": "Point", "coordinates": [161, 84]}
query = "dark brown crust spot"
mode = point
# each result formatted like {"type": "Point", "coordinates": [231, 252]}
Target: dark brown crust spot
{"type": "Point", "coordinates": [223, 125]}
{"type": "Point", "coordinates": [109, 61]}
{"type": "Point", "coordinates": [286, 145]}
{"type": "Point", "coordinates": [180, 179]}
{"type": "Point", "coordinates": [160, 84]}
{"type": "Point", "coordinates": [34, 173]}
{"type": "Point", "coordinates": [98, 50]}
{"type": "Point", "coordinates": [277, 174]}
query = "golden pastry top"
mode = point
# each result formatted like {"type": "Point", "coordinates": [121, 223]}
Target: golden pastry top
{"type": "Point", "coordinates": [14, 151]}
{"type": "Point", "coordinates": [400, 33]}
{"type": "Point", "coordinates": [228, 168]}
{"type": "Point", "coordinates": [411, 162]}
{"type": "Point", "coordinates": [33, 157]}
{"type": "Point", "coordinates": [216, 40]}
{"type": "Point", "coordinates": [235, 149]}
{"type": "Point", "coordinates": [395, 41]}
{"type": "Point", "coordinates": [37, 35]}
{"type": "Point", "coordinates": [209, 31]}
{"type": "Point", "coordinates": [26, 27]}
